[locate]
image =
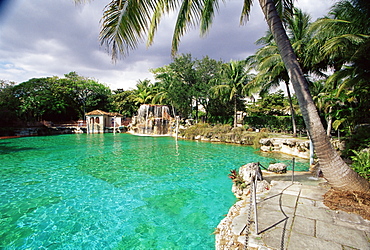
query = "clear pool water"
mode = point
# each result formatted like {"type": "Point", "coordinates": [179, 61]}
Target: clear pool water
{"type": "Point", "coordinates": [118, 191]}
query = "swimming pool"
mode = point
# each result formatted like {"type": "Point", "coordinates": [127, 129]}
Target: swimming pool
{"type": "Point", "coordinates": [106, 191]}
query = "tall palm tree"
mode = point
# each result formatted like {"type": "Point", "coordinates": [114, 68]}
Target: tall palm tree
{"type": "Point", "coordinates": [335, 170]}
{"type": "Point", "coordinates": [269, 64]}
{"type": "Point", "coordinates": [271, 72]}
{"type": "Point", "coordinates": [235, 77]}
{"type": "Point", "coordinates": [125, 22]}
{"type": "Point", "coordinates": [343, 38]}
{"type": "Point", "coordinates": [342, 42]}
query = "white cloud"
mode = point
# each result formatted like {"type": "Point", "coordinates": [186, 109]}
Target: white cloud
{"type": "Point", "coordinates": [41, 38]}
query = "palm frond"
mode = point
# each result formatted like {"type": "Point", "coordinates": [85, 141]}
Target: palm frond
{"type": "Point", "coordinates": [244, 17]}
{"type": "Point", "coordinates": [124, 23]}
{"type": "Point", "coordinates": [208, 13]}
{"type": "Point", "coordinates": [340, 45]}
{"type": "Point", "coordinates": [285, 9]}
{"type": "Point", "coordinates": [162, 6]}
{"type": "Point", "coordinates": [189, 15]}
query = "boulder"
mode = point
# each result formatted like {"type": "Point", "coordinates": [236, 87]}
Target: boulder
{"type": "Point", "coordinates": [279, 168]}
{"type": "Point", "coordinates": [249, 171]}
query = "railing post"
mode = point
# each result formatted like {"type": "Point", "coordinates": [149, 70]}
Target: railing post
{"type": "Point", "coordinates": [293, 163]}
{"type": "Point", "coordinates": [255, 203]}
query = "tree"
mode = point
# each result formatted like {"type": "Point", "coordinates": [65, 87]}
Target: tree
{"type": "Point", "coordinates": [124, 102]}
{"type": "Point", "coordinates": [183, 67]}
{"type": "Point", "coordinates": [144, 92]}
{"type": "Point", "coordinates": [174, 87]}
{"type": "Point", "coordinates": [88, 93]}
{"type": "Point", "coordinates": [322, 95]}
{"type": "Point", "coordinates": [8, 104]}
{"type": "Point", "coordinates": [185, 83]}
{"type": "Point", "coordinates": [60, 99]}
{"type": "Point", "coordinates": [234, 85]}
{"type": "Point", "coordinates": [208, 72]}
{"type": "Point", "coordinates": [343, 42]}
{"type": "Point", "coordinates": [41, 98]}
{"type": "Point", "coordinates": [125, 22]}
{"type": "Point", "coordinates": [269, 64]}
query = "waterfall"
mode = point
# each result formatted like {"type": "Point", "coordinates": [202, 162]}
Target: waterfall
{"type": "Point", "coordinates": [152, 120]}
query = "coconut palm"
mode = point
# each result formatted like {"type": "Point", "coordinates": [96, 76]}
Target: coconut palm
{"type": "Point", "coordinates": [269, 64]}
{"type": "Point", "coordinates": [343, 38]}
{"type": "Point", "coordinates": [342, 42]}
{"type": "Point", "coordinates": [125, 22]}
{"type": "Point", "coordinates": [271, 72]}
{"type": "Point", "coordinates": [144, 92]}
{"type": "Point", "coordinates": [235, 77]}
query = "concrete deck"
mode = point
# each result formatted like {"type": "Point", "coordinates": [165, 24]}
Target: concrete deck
{"type": "Point", "coordinates": [292, 216]}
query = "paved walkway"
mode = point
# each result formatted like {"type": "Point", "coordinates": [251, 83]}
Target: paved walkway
{"type": "Point", "coordinates": [293, 216]}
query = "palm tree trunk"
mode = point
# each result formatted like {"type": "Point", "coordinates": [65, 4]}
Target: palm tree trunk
{"type": "Point", "coordinates": [336, 171]}
{"type": "Point", "coordinates": [291, 110]}
{"type": "Point", "coordinates": [330, 122]}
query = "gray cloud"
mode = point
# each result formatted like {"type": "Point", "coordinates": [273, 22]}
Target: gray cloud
{"type": "Point", "coordinates": [42, 38]}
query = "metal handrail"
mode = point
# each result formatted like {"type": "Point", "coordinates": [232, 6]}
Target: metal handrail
{"type": "Point", "coordinates": [253, 202]}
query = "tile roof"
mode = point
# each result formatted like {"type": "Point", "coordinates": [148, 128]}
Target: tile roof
{"type": "Point", "coordinates": [100, 112]}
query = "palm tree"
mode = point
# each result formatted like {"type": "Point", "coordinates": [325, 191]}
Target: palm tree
{"type": "Point", "coordinates": [235, 78]}
{"type": "Point", "coordinates": [125, 22]}
{"type": "Point", "coordinates": [342, 42]}
{"type": "Point", "coordinates": [335, 170]}
{"type": "Point", "coordinates": [271, 72]}
{"type": "Point", "coordinates": [269, 64]}
{"type": "Point", "coordinates": [144, 92]}
{"type": "Point", "coordinates": [344, 36]}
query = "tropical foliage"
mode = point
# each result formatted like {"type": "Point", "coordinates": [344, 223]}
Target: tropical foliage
{"type": "Point", "coordinates": [53, 98]}
{"type": "Point", "coordinates": [329, 57]}
{"type": "Point", "coordinates": [361, 163]}
{"type": "Point", "coordinates": [125, 23]}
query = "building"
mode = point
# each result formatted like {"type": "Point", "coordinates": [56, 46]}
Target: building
{"type": "Point", "coordinates": [98, 121]}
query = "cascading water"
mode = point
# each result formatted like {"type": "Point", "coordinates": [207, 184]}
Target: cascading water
{"type": "Point", "coordinates": [152, 120]}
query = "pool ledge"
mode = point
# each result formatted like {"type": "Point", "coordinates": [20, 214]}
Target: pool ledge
{"type": "Point", "coordinates": [291, 215]}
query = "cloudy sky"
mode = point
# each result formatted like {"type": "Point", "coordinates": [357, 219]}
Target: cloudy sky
{"type": "Point", "coordinates": [41, 38]}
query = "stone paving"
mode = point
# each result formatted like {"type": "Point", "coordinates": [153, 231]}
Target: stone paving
{"type": "Point", "coordinates": [292, 216]}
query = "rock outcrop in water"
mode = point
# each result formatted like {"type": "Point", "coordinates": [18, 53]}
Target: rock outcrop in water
{"type": "Point", "coordinates": [230, 233]}
{"type": "Point", "coordinates": [152, 120]}
{"type": "Point", "coordinates": [291, 146]}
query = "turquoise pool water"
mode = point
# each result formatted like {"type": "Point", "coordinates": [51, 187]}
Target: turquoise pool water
{"type": "Point", "coordinates": [118, 191]}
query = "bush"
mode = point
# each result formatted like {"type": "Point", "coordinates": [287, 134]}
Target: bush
{"type": "Point", "coordinates": [194, 130]}
{"type": "Point", "coordinates": [224, 133]}
{"type": "Point", "coordinates": [361, 163]}
{"type": "Point", "coordinates": [274, 123]}
{"type": "Point", "coordinates": [359, 140]}
{"type": "Point", "coordinates": [257, 138]}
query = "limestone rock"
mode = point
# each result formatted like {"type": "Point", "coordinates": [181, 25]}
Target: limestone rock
{"type": "Point", "coordinates": [262, 186]}
{"type": "Point", "coordinates": [279, 168]}
{"type": "Point", "coordinates": [289, 146]}
{"type": "Point", "coordinates": [249, 171]}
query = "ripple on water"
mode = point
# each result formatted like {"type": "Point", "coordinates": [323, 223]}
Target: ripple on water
{"type": "Point", "coordinates": [115, 191]}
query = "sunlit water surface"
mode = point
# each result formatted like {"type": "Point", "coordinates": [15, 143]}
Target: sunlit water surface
{"type": "Point", "coordinates": [115, 191]}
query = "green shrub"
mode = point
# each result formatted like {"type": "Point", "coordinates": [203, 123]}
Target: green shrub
{"type": "Point", "coordinates": [359, 140]}
{"type": "Point", "coordinates": [194, 130]}
{"type": "Point", "coordinates": [361, 163]}
{"type": "Point", "coordinates": [236, 178]}
{"type": "Point", "coordinates": [258, 137]}
{"type": "Point", "coordinates": [274, 123]}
